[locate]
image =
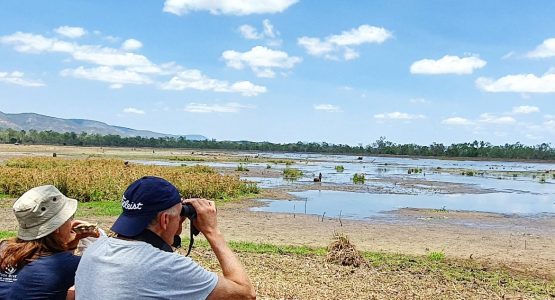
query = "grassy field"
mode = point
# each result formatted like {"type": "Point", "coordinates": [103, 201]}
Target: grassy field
{"type": "Point", "coordinates": [291, 272]}
{"type": "Point", "coordinates": [96, 179]}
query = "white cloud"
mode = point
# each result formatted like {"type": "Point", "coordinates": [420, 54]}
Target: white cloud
{"type": "Point", "coordinates": [525, 109]}
{"type": "Point", "coordinates": [131, 45]}
{"type": "Point", "coordinates": [508, 55]}
{"type": "Point", "coordinates": [520, 83]}
{"type": "Point", "coordinates": [106, 56]}
{"type": "Point", "coordinates": [231, 107]}
{"type": "Point", "coordinates": [499, 120]}
{"type": "Point", "coordinates": [546, 49]}
{"type": "Point", "coordinates": [249, 32]}
{"type": "Point", "coordinates": [268, 29]}
{"type": "Point", "coordinates": [332, 45]}
{"type": "Point", "coordinates": [398, 116]}
{"type": "Point", "coordinates": [261, 60]}
{"type": "Point", "coordinates": [108, 74]}
{"type": "Point", "coordinates": [447, 65]}
{"type": "Point", "coordinates": [132, 110]}
{"type": "Point", "coordinates": [314, 46]}
{"type": "Point", "coordinates": [194, 79]}
{"type": "Point", "coordinates": [350, 54]}
{"type": "Point", "coordinates": [227, 7]}
{"type": "Point", "coordinates": [327, 107]}
{"type": "Point", "coordinates": [16, 77]}
{"type": "Point", "coordinates": [119, 67]}
{"type": "Point", "coordinates": [34, 43]}
{"type": "Point", "coordinates": [419, 101]}
{"type": "Point", "coordinates": [457, 121]}
{"type": "Point", "coordinates": [247, 88]}
{"type": "Point", "coordinates": [268, 33]}
{"type": "Point", "coordinates": [71, 32]}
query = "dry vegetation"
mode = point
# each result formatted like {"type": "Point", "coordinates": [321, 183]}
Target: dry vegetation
{"type": "Point", "coordinates": [341, 251]}
{"type": "Point", "coordinates": [96, 179]}
{"type": "Point", "coordinates": [305, 273]}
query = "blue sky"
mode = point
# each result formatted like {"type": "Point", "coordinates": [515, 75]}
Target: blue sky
{"type": "Point", "coordinates": [288, 70]}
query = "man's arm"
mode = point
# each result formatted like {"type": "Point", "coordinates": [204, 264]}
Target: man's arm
{"type": "Point", "coordinates": [235, 283]}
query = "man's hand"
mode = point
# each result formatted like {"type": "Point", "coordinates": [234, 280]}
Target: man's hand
{"type": "Point", "coordinates": [206, 220]}
{"type": "Point", "coordinates": [235, 283]}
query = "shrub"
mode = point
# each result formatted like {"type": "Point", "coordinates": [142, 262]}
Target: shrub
{"type": "Point", "coordinates": [291, 173]}
{"type": "Point", "coordinates": [242, 168]}
{"type": "Point", "coordinates": [359, 178]}
{"type": "Point", "coordinates": [339, 168]}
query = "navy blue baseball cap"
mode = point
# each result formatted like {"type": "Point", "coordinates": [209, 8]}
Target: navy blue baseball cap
{"type": "Point", "coordinates": [142, 200]}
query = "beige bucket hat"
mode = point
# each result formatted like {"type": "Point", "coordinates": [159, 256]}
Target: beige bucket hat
{"type": "Point", "coordinates": [41, 210]}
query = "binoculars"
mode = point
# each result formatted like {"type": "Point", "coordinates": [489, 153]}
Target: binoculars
{"type": "Point", "coordinates": [188, 211]}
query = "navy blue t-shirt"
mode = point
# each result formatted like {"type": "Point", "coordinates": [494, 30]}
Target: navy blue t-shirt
{"type": "Point", "coordinates": [48, 277]}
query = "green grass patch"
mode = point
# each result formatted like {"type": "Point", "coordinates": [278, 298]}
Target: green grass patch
{"type": "Point", "coordinates": [436, 256]}
{"type": "Point", "coordinates": [99, 208]}
{"type": "Point", "coordinates": [6, 234]}
{"type": "Point", "coordinates": [339, 168]}
{"type": "Point", "coordinates": [261, 248]}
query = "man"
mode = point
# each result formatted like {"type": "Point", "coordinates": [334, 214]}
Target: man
{"type": "Point", "coordinates": [139, 262]}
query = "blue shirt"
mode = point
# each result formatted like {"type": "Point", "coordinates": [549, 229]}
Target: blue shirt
{"type": "Point", "coordinates": [48, 277]}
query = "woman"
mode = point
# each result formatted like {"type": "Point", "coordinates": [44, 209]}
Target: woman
{"type": "Point", "coordinates": [38, 263]}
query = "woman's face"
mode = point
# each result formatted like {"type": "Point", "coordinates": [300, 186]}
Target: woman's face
{"type": "Point", "coordinates": [65, 233]}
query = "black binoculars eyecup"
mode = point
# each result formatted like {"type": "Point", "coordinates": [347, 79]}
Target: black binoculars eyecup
{"type": "Point", "coordinates": [188, 211]}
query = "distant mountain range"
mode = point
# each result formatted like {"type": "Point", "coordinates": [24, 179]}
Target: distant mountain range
{"type": "Point", "coordinates": [27, 121]}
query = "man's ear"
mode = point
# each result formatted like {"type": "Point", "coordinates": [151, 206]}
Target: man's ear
{"type": "Point", "coordinates": [164, 220]}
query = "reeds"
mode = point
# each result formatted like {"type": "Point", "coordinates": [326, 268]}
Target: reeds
{"type": "Point", "coordinates": [96, 179]}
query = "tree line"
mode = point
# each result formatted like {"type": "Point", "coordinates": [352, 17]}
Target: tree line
{"type": "Point", "coordinates": [475, 149]}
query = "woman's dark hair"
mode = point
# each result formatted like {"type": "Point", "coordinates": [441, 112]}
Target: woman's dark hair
{"type": "Point", "coordinates": [16, 253]}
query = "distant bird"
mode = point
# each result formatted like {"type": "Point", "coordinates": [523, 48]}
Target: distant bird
{"type": "Point", "coordinates": [319, 178]}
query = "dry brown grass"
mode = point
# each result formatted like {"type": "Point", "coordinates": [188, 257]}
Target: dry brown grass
{"type": "Point", "coordinates": [97, 179]}
{"type": "Point", "coordinates": [290, 276]}
{"type": "Point", "coordinates": [341, 251]}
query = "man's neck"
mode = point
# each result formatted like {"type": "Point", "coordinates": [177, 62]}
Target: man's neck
{"type": "Point", "coordinates": [151, 238]}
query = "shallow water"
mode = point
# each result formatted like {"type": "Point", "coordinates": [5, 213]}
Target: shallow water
{"type": "Point", "coordinates": [362, 206]}
{"type": "Point", "coordinates": [504, 194]}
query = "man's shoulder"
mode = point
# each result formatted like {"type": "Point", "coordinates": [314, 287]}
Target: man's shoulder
{"type": "Point", "coordinates": [137, 251]}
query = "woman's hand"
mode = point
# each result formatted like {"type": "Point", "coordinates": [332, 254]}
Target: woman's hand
{"type": "Point", "coordinates": [82, 230]}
